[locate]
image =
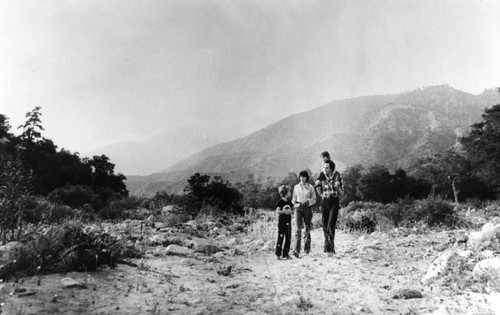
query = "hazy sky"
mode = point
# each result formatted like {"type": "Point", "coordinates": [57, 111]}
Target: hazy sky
{"type": "Point", "coordinates": [107, 71]}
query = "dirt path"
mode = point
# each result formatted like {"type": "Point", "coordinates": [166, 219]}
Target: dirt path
{"type": "Point", "coordinates": [360, 279]}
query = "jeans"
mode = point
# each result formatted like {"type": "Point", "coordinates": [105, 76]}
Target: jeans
{"type": "Point", "coordinates": [329, 213]}
{"type": "Point", "coordinates": [284, 232]}
{"type": "Point", "coordinates": [303, 214]}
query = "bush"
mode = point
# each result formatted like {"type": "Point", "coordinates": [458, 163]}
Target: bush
{"type": "Point", "coordinates": [359, 216]}
{"type": "Point", "coordinates": [76, 196]}
{"type": "Point", "coordinates": [433, 211]}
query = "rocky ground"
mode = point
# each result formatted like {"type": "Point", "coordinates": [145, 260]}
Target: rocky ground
{"type": "Point", "coordinates": [232, 272]}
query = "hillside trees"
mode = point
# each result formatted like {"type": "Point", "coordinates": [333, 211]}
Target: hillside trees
{"type": "Point", "coordinates": [483, 144]}
{"type": "Point", "coordinates": [51, 168]}
{"type": "Point", "coordinates": [216, 193]}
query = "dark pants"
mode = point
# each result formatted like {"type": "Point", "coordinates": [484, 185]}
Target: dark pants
{"type": "Point", "coordinates": [329, 213]}
{"type": "Point", "coordinates": [284, 232]}
{"type": "Point", "coordinates": [303, 215]}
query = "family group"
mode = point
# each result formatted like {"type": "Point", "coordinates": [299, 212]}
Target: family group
{"type": "Point", "coordinates": [329, 187]}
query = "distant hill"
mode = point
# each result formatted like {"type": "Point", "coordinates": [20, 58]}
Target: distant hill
{"type": "Point", "coordinates": [392, 130]}
{"type": "Point", "coordinates": [157, 153]}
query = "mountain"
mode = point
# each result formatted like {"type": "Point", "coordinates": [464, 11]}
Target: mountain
{"type": "Point", "coordinates": [393, 130]}
{"type": "Point", "coordinates": [157, 153]}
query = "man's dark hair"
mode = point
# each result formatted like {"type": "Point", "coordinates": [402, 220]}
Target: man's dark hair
{"type": "Point", "coordinates": [325, 153]}
{"type": "Point", "coordinates": [331, 163]}
{"type": "Point", "coordinates": [304, 174]}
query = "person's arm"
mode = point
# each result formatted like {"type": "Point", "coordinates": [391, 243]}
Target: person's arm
{"type": "Point", "coordinates": [295, 202]}
{"type": "Point", "coordinates": [278, 211]}
{"type": "Point", "coordinates": [312, 198]}
{"type": "Point", "coordinates": [340, 185]}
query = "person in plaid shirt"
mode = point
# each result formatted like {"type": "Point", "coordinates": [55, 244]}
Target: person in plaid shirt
{"type": "Point", "coordinates": [330, 187]}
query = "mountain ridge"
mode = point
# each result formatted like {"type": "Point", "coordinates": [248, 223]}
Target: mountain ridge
{"type": "Point", "coordinates": [393, 130]}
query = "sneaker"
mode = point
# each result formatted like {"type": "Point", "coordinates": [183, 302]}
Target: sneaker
{"type": "Point", "coordinates": [296, 254]}
{"type": "Point", "coordinates": [278, 257]}
{"type": "Point", "coordinates": [287, 257]}
{"type": "Point", "coordinates": [307, 252]}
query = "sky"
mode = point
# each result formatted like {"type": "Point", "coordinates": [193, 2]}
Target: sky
{"type": "Point", "coordinates": [108, 71]}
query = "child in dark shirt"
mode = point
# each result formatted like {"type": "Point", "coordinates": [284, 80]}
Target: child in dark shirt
{"type": "Point", "coordinates": [284, 211]}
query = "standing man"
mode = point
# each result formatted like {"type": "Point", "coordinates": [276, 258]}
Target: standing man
{"type": "Point", "coordinates": [330, 188]}
{"type": "Point", "coordinates": [304, 197]}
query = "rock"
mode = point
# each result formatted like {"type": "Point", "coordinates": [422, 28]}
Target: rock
{"type": "Point", "coordinates": [407, 294]}
{"type": "Point", "coordinates": [232, 241]}
{"type": "Point", "coordinates": [268, 245]}
{"type": "Point", "coordinates": [160, 251]}
{"type": "Point", "coordinates": [187, 262]}
{"type": "Point", "coordinates": [157, 239]}
{"type": "Point", "coordinates": [14, 256]}
{"type": "Point", "coordinates": [237, 252]}
{"type": "Point", "coordinates": [159, 225]}
{"type": "Point", "coordinates": [72, 283]}
{"type": "Point", "coordinates": [219, 255]}
{"type": "Point", "coordinates": [488, 268]}
{"type": "Point", "coordinates": [487, 254]}
{"type": "Point", "coordinates": [237, 227]}
{"type": "Point", "coordinates": [465, 253]}
{"type": "Point", "coordinates": [151, 219]}
{"type": "Point", "coordinates": [438, 266]}
{"type": "Point", "coordinates": [207, 249]}
{"type": "Point", "coordinates": [218, 225]}
{"type": "Point", "coordinates": [177, 250]}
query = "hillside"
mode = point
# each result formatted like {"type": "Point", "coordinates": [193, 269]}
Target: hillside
{"type": "Point", "coordinates": [392, 130]}
{"type": "Point", "coordinates": [157, 153]}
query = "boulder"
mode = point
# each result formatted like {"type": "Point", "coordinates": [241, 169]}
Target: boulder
{"type": "Point", "coordinates": [438, 266]}
{"type": "Point", "coordinates": [177, 250]}
{"type": "Point", "coordinates": [14, 256]}
{"type": "Point", "coordinates": [268, 245]}
{"type": "Point", "coordinates": [488, 268]}
{"type": "Point", "coordinates": [207, 249]}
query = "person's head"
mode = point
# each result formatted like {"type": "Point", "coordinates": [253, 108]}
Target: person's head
{"type": "Point", "coordinates": [304, 177]}
{"type": "Point", "coordinates": [325, 156]}
{"type": "Point", "coordinates": [283, 191]}
{"type": "Point", "coordinates": [328, 167]}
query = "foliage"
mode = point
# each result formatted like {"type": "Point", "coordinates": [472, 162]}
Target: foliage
{"type": "Point", "coordinates": [69, 248]}
{"type": "Point", "coordinates": [351, 177]}
{"type": "Point", "coordinates": [201, 191]}
{"type": "Point", "coordinates": [14, 185]}
{"type": "Point", "coordinates": [484, 146]}
{"type": "Point", "coordinates": [377, 184]}
{"type": "Point", "coordinates": [359, 216]}
{"type": "Point", "coordinates": [433, 211]}
{"type": "Point", "coordinates": [76, 196]}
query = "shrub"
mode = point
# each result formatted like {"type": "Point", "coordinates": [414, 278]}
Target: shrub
{"type": "Point", "coordinates": [359, 216]}
{"type": "Point", "coordinates": [433, 211]}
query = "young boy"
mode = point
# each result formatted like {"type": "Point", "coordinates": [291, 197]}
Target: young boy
{"type": "Point", "coordinates": [284, 211]}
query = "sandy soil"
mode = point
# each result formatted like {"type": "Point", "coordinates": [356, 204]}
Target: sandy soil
{"type": "Point", "coordinates": [360, 279]}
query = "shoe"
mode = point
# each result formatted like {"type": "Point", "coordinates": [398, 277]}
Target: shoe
{"type": "Point", "coordinates": [278, 257]}
{"type": "Point", "coordinates": [287, 257]}
{"type": "Point", "coordinates": [296, 254]}
{"type": "Point", "coordinates": [307, 252]}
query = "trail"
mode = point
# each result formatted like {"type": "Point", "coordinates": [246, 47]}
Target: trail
{"type": "Point", "coordinates": [359, 279]}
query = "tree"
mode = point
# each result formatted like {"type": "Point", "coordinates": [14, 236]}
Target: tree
{"type": "Point", "coordinates": [483, 144]}
{"type": "Point", "coordinates": [32, 127]}
{"type": "Point", "coordinates": [350, 179]}
{"type": "Point", "coordinates": [216, 193]}
{"type": "Point", "coordinates": [103, 178]}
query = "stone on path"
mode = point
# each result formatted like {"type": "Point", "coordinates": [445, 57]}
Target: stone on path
{"type": "Point", "coordinates": [406, 294]}
{"type": "Point", "coordinates": [488, 268]}
{"type": "Point", "coordinates": [72, 283]}
{"type": "Point", "coordinates": [438, 266]}
{"type": "Point", "coordinates": [177, 250]}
